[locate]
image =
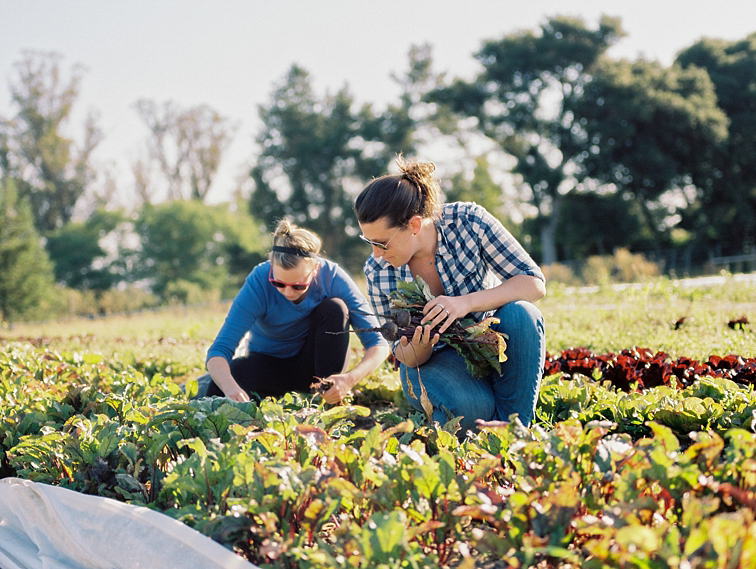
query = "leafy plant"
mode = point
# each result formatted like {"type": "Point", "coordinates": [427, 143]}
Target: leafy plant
{"type": "Point", "coordinates": [482, 347]}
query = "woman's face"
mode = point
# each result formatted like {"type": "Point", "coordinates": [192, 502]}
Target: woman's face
{"type": "Point", "coordinates": [391, 243]}
{"type": "Point", "coordinates": [294, 282]}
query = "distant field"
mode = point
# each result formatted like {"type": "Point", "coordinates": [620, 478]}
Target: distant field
{"type": "Point", "coordinates": [659, 315]}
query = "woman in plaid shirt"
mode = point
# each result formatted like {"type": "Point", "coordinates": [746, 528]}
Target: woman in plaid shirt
{"type": "Point", "coordinates": [474, 267]}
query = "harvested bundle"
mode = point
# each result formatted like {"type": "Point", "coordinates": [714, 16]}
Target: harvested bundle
{"type": "Point", "coordinates": [482, 347]}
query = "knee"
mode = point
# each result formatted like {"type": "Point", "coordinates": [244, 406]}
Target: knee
{"type": "Point", "coordinates": [519, 314]}
{"type": "Point", "coordinates": [333, 310]}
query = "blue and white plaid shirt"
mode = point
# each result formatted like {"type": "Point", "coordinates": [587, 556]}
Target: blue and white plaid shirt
{"type": "Point", "coordinates": [475, 252]}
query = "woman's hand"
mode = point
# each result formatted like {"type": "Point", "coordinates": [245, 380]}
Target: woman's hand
{"type": "Point", "coordinates": [442, 311]}
{"type": "Point", "coordinates": [417, 350]}
{"type": "Point", "coordinates": [237, 394]}
{"type": "Point", "coordinates": [342, 385]}
{"type": "Point", "coordinates": [220, 371]}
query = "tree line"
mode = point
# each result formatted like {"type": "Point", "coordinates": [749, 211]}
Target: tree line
{"type": "Point", "coordinates": [578, 153]}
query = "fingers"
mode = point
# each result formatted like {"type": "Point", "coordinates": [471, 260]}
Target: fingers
{"type": "Point", "coordinates": [340, 389]}
{"type": "Point", "coordinates": [240, 396]}
{"type": "Point", "coordinates": [423, 336]}
{"type": "Point", "coordinates": [332, 396]}
{"type": "Point", "coordinates": [438, 315]}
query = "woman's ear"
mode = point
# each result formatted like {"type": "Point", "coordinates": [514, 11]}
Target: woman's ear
{"type": "Point", "coordinates": [415, 224]}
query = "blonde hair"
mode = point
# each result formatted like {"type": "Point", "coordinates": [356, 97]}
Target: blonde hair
{"type": "Point", "coordinates": [398, 197]}
{"type": "Point", "coordinates": [287, 234]}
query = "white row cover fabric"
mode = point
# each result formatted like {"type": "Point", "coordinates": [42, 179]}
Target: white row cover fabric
{"type": "Point", "coordinates": [47, 527]}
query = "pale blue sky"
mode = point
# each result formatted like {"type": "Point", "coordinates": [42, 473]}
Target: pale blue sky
{"type": "Point", "coordinates": [228, 54]}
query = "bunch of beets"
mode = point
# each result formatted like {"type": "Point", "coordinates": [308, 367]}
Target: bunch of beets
{"type": "Point", "coordinates": [482, 347]}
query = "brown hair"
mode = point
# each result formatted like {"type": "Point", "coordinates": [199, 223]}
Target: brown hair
{"type": "Point", "coordinates": [398, 197]}
{"type": "Point", "coordinates": [289, 235]}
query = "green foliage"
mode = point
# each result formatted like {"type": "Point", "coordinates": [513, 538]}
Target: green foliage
{"type": "Point", "coordinates": [75, 248]}
{"type": "Point", "coordinates": [192, 243]}
{"type": "Point", "coordinates": [597, 224]}
{"type": "Point", "coordinates": [602, 479]}
{"type": "Point", "coordinates": [524, 100]}
{"type": "Point", "coordinates": [480, 189]}
{"type": "Point", "coordinates": [26, 276]}
{"type": "Point", "coordinates": [651, 129]}
{"type": "Point", "coordinates": [727, 207]}
{"type": "Point", "coordinates": [314, 149]}
{"type": "Point", "coordinates": [52, 172]}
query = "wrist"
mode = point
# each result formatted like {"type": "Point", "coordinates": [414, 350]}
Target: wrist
{"type": "Point", "coordinates": [352, 378]}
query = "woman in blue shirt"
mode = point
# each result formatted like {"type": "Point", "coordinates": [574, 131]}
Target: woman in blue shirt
{"type": "Point", "coordinates": [297, 308]}
{"type": "Point", "coordinates": [474, 268]}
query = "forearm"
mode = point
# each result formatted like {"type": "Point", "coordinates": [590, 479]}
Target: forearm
{"type": "Point", "coordinates": [221, 373]}
{"type": "Point", "coordinates": [518, 287]}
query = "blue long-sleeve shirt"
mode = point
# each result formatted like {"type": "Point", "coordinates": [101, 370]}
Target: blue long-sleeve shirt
{"type": "Point", "coordinates": [277, 326]}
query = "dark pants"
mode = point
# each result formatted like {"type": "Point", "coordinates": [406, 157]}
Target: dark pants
{"type": "Point", "coordinates": [324, 353]}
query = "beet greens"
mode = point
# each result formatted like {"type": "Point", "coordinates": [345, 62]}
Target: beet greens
{"type": "Point", "coordinates": [482, 347]}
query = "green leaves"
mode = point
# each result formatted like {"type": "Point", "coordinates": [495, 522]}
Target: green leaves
{"type": "Point", "coordinates": [290, 483]}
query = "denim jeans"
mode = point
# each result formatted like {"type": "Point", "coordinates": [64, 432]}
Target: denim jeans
{"type": "Point", "coordinates": [454, 392]}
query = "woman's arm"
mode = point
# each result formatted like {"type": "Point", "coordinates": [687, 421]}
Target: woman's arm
{"type": "Point", "coordinates": [344, 382]}
{"type": "Point", "coordinates": [446, 309]}
{"type": "Point", "coordinates": [221, 374]}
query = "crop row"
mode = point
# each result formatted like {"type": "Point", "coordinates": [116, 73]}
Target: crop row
{"type": "Point", "coordinates": [605, 478]}
{"type": "Point", "coordinates": [642, 368]}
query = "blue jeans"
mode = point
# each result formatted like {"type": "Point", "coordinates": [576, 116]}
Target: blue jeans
{"type": "Point", "coordinates": [454, 392]}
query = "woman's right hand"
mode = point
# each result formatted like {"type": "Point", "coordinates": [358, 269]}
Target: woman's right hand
{"type": "Point", "coordinates": [237, 394]}
{"type": "Point", "coordinates": [220, 371]}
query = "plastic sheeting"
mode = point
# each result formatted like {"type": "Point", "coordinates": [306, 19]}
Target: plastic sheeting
{"type": "Point", "coordinates": [47, 527]}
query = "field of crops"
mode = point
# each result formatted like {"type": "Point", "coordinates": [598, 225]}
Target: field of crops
{"type": "Point", "coordinates": [643, 453]}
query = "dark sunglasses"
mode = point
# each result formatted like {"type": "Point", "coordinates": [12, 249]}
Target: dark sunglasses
{"type": "Point", "coordinates": [296, 286]}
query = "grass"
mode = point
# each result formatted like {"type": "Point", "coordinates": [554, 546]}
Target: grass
{"type": "Point", "coordinates": [661, 315]}
{"type": "Point", "coordinates": [175, 339]}
{"type": "Point", "coordinates": [175, 334]}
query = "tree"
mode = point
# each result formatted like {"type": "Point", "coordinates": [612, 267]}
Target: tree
{"type": "Point", "coordinates": [524, 99]}
{"type": "Point", "coordinates": [598, 224]}
{"type": "Point", "coordinates": [186, 145]}
{"type": "Point", "coordinates": [316, 154]}
{"type": "Point", "coordinates": [50, 170]}
{"type": "Point", "coordinates": [26, 276]}
{"type": "Point", "coordinates": [651, 132]}
{"type": "Point", "coordinates": [78, 255]}
{"type": "Point", "coordinates": [186, 241]}
{"type": "Point", "coordinates": [481, 188]}
{"type": "Point", "coordinates": [727, 212]}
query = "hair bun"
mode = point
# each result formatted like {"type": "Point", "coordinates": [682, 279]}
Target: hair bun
{"type": "Point", "coordinates": [419, 173]}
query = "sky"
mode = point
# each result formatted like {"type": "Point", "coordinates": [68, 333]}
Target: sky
{"type": "Point", "coordinates": [231, 54]}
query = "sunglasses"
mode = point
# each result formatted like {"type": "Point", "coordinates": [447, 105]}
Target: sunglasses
{"type": "Point", "coordinates": [381, 246]}
{"type": "Point", "coordinates": [296, 286]}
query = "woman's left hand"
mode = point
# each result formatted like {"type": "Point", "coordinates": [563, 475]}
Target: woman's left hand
{"type": "Point", "coordinates": [342, 385]}
{"type": "Point", "coordinates": [443, 310]}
